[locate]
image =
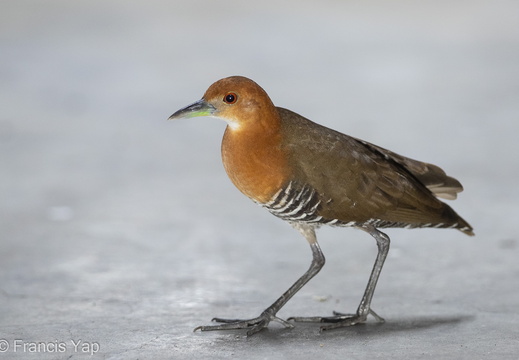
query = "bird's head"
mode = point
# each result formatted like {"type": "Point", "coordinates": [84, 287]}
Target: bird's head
{"type": "Point", "coordinates": [237, 100]}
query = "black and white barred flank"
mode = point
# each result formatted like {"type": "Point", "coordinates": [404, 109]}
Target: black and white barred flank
{"type": "Point", "coordinates": [300, 205]}
{"type": "Point", "coordinates": [295, 204]}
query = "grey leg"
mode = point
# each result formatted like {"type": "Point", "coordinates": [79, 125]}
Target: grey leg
{"type": "Point", "coordinates": [364, 309]}
{"type": "Point", "coordinates": [269, 314]}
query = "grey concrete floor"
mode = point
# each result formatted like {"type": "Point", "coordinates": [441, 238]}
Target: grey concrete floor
{"type": "Point", "coordinates": [121, 230]}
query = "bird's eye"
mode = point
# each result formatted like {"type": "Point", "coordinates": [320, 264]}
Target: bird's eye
{"type": "Point", "coordinates": [230, 98]}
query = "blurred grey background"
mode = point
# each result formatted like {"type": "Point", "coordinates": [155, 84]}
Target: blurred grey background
{"type": "Point", "coordinates": [121, 229]}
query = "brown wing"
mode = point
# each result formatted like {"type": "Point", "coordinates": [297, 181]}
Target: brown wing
{"type": "Point", "coordinates": [374, 185]}
{"type": "Point", "coordinates": [434, 178]}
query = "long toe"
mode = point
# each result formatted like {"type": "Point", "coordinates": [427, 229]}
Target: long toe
{"type": "Point", "coordinates": [226, 321]}
{"type": "Point", "coordinates": [234, 324]}
{"type": "Point", "coordinates": [254, 325]}
{"type": "Point", "coordinates": [371, 312]}
{"type": "Point", "coordinates": [344, 320]}
{"type": "Point", "coordinates": [338, 317]}
{"type": "Point", "coordinates": [310, 319]}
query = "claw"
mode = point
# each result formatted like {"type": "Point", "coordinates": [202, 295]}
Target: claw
{"type": "Point", "coordinates": [285, 323]}
{"type": "Point", "coordinates": [380, 319]}
{"type": "Point", "coordinates": [255, 324]}
{"type": "Point", "coordinates": [338, 319]}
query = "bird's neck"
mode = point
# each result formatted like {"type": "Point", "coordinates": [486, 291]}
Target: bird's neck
{"type": "Point", "coordinates": [253, 159]}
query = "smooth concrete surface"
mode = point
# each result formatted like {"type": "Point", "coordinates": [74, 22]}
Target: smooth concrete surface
{"type": "Point", "coordinates": [120, 232]}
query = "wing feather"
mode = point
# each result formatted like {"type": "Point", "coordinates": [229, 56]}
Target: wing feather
{"type": "Point", "coordinates": [432, 176]}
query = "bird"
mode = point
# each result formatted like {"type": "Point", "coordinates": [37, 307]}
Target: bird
{"type": "Point", "coordinates": [310, 175]}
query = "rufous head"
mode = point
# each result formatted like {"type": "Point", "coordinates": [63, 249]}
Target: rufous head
{"type": "Point", "coordinates": [237, 100]}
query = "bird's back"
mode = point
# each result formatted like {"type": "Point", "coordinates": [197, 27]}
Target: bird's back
{"type": "Point", "coordinates": [357, 182]}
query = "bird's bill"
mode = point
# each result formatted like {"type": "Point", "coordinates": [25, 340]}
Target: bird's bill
{"type": "Point", "coordinates": [196, 109]}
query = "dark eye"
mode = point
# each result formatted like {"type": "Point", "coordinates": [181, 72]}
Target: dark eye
{"type": "Point", "coordinates": [230, 98]}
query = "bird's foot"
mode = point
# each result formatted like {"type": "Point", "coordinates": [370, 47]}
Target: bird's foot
{"type": "Point", "coordinates": [254, 325]}
{"type": "Point", "coordinates": [338, 319]}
